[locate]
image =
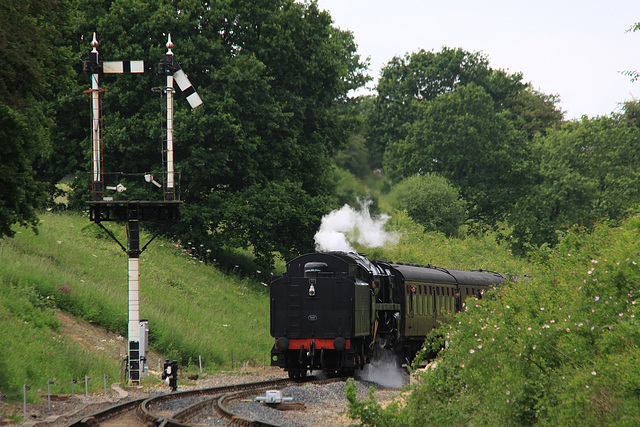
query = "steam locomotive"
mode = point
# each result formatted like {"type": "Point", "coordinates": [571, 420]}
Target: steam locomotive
{"type": "Point", "coordinates": [330, 311]}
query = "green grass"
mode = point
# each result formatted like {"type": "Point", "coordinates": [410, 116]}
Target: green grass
{"type": "Point", "coordinates": [194, 309]}
{"type": "Point", "coordinates": [71, 265]}
{"type": "Point", "coordinates": [32, 351]}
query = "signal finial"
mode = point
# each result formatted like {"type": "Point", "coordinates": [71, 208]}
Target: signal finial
{"type": "Point", "coordinates": [169, 46]}
{"type": "Point", "coordinates": [94, 43]}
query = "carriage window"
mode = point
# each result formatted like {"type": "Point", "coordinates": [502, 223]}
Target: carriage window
{"type": "Point", "coordinates": [411, 297]}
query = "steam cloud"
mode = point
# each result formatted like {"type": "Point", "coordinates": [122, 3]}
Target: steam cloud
{"type": "Point", "coordinates": [384, 371]}
{"type": "Point", "coordinates": [346, 226]}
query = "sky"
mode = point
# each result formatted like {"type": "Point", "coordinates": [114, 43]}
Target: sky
{"type": "Point", "coordinates": [573, 48]}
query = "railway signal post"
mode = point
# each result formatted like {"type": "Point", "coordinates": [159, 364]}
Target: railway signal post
{"type": "Point", "coordinates": [162, 208]}
{"type": "Point", "coordinates": [170, 67]}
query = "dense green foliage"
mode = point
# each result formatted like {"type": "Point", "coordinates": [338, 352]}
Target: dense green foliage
{"type": "Point", "coordinates": [272, 75]}
{"type": "Point", "coordinates": [503, 146]}
{"type": "Point", "coordinates": [34, 64]}
{"type": "Point", "coordinates": [464, 138]}
{"type": "Point", "coordinates": [450, 113]}
{"type": "Point", "coordinates": [560, 347]}
{"type": "Point", "coordinates": [260, 153]}
{"type": "Point", "coordinates": [411, 80]}
{"type": "Point", "coordinates": [431, 201]}
{"type": "Point", "coordinates": [583, 173]}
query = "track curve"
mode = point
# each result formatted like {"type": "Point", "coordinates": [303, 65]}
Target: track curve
{"type": "Point", "coordinates": [177, 409]}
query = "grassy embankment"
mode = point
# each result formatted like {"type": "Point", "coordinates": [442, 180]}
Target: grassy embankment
{"type": "Point", "coordinates": [71, 265]}
{"type": "Point", "coordinates": [193, 308]}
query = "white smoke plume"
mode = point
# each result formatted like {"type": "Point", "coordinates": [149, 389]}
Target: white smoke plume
{"type": "Point", "coordinates": [342, 228]}
{"type": "Point", "coordinates": [384, 371]}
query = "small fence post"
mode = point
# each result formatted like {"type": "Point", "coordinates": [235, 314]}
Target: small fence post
{"type": "Point", "coordinates": [86, 386]}
{"type": "Point", "coordinates": [200, 363]}
{"type": "Point", "coordinates": [105, 376]}
{"type": "Point", "coordinates": [24, 406]}
{"type": "Point", "coordinates": [49, 382]}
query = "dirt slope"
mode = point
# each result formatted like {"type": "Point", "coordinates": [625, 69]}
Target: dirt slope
{"type": "Point", "coordinates": [96, 339]}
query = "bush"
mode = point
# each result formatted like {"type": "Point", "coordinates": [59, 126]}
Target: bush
{"type": "Point", "coordinates": [559, 349]}
{"type": "Point", "coordinates": [431, 201]}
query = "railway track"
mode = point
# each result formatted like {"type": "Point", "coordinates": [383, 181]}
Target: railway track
{"type": "Point", "coordinates": [207, 406]}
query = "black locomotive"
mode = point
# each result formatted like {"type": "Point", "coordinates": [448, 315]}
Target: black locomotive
{"type": "Point", "coordinates": [329, 311]}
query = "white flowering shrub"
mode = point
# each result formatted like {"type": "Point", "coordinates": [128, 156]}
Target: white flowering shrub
{"type": "Point", "coordinates": [558, 349]}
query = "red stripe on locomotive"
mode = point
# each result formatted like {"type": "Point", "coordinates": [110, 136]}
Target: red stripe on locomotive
{"type": "Point", "coordinates": [320, 343]}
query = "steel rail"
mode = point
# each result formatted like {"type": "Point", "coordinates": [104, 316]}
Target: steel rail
{"type": "Point", "coordinates": [149, 413]}
{"type": "Point", "coordinates": [220, 405]}
{"type": "Point", "coordinates": [106, 414]}
{"type": "Point", "coordinates": [148, 410]}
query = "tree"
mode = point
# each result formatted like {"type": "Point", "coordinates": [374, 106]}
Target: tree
{"type": "Point", "coordinates": [33, 65]}
{"type": "Point", "coordinates": [450, 113]}
{"type": "Point", "coordinates": [633, 75]}
{"type": "Point", "coordinates": [406, 82]}
{"type": "Point", "coordinates": [431, 201]}
{"type": "Point", "coordinates": [271, 74]}
{"type": "Point", "coordinates": [533, 112]}
{"type": "Point", "coordinates": [354, 154]}
{"type": "Point", "coordinates": [631, 113]}
{"type": "Point", "coordinates": [585, 172]}
{"type": "Point", "coordinates": [463, 137]}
